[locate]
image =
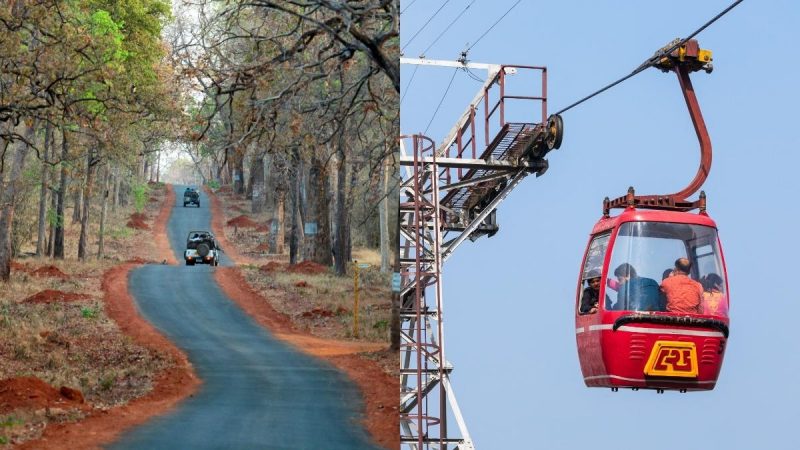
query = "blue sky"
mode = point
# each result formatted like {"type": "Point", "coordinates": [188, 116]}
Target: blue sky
{"type": "Point", "coordinates": [509, 299]}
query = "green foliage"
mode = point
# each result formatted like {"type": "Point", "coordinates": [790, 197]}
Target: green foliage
{"type": "Point", "coordinates": [89, 313]}
{"type": "Point", "coordinates": [3, 440]}
{"type": "Point", "coordinates": [213, 184]}
{"type": "Point", "coordinates": [140, 194]}
{"type": "Point", "coordinates": [11, 421]}
{"type": "Point", "coordinates": [53, 219]}
{"type": "Point", "coordinates": [107, 381]}
{"type": "Point", "coordinates": [381, 325]}
{"type": "Point", "coordinates": [122, 232]}
{"type": "Point", "coordinates": [103, 25]}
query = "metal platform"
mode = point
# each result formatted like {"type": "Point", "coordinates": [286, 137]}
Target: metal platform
{"type": "Point", "coordinates": [449, 194]}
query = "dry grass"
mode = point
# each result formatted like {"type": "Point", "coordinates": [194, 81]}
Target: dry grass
{"type": "Point", "coordinates": [75, 344]}
{"type": "Point", "coordinates": [325, 307]}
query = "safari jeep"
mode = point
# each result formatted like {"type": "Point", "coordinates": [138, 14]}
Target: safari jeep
{"type": "Point", "coordinates": [191, 197]}
{"type": "Point", "coordinates": [201, 248]}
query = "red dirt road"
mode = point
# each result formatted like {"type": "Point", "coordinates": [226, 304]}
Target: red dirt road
{"type": "Point", "coordinates": [171, 386]}
{"type": "Point", "coordinates": [165, 252]}
{"type": "Point", "coordinates": [377, 387]}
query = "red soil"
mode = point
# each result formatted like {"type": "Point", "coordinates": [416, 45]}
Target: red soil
{"type": "Point", "coordinates": [163, 247]}
{"type": "Point", "coordinates": [153, 200]}
{"type": "Point", "coordinates": [308, 268]}
{"type": "Point", "coordinates": [50, 271]}
{"type": "Point", "coordinates": [217, 228]}
{"type": "Point", "coordinates": [242, 222]}
{"type": "Point", "coordinates": [262, 228]}
{"type": "Point", "coordinates": [379, 389]}
{"type": "Point", "coordinates": [72, 394]}
{"type": "Point", "coordinates": [32, 393]}
{"type": "Point", "coordinates": [170, 387]}
{"type": "Point", "coordinates": [53, 296]}
{"type": "Point", "coordinates": [272, 266]}
{"type": "Point", "coordinates": [262, 247]}
{"type": "Point", "coordinates": [301, 284]}
{"type": "Point", "coordinates": [138, 260]}
{"type": "Point", "coordinates": [19, 267]}
{"type": "Point", "coordinates": [137, 222]}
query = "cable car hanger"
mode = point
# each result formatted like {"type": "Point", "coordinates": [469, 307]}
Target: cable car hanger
{"type": "Point", "coordinates": [683, 60]}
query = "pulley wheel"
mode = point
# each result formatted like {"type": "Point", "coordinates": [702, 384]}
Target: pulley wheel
{"type": "Point", "coordinates": [555, 132]}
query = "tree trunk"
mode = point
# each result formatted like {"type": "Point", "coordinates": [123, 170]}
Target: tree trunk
{"type": "Point", "coordinates": [383, 212]}
{"type": "Point", "coordinates": [342, 232]}
{"type": "Point", "coordinates": [238, 172]}
{"type": "Point", "coordinates": [87, 200]}
{"type": "Point", "coordinates": [7, 203]}
{"type": "Point", "coordinates": [51, 239]}
{"type": "Point", "coordinates": [295, 194]}
{"type": "Point", "coordinates": [58, 250]}
{"type": "Point", "coordinates": [40, 238]}
{"type": "Point", "coordinates": [279, 221]}
{"type": "Point", "coordinates": [318, 243]}
{"type": "Point", "coordinates": [76, 209]}
{"type": "Point", "coordinates": [101, 237]}
{"type": "Point", "coordinates": [257, 188]}
{"type": "Point", "coordinates": [115, 200]}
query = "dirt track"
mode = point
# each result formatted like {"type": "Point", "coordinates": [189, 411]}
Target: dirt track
{"type": "Point", "coordinates": [257, 391]}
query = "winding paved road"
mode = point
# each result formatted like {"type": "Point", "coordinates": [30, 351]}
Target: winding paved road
{"type": "Point", "coordinates": [257, 392]}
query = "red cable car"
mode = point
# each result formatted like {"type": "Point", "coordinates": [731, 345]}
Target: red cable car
{"type": "Point", "coordinates": [652, 300]}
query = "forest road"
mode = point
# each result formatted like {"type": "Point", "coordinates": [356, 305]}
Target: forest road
{"type": "Point", "coordinates": [257, 391]}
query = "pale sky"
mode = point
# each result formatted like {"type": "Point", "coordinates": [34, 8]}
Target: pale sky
{"type": "Point", "coordinates": [509, 299]}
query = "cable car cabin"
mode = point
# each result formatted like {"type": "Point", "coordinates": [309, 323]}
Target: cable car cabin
{"type": "Point", "coordinates": [629, 332]}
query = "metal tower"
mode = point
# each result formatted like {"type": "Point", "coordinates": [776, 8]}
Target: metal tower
{"type": "Point", "coordinates": [448, 194]}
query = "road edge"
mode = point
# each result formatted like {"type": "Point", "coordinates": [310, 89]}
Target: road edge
{"type": "Point", "coordinates": [166, 252]}
{"type": "Point", "coordinates": [381, 412]}
{"type": "Point", "coordinates": [170, 386]}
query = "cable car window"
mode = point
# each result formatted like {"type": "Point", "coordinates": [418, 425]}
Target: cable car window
{"type": "Point", "coordinates": [592, 268]}
{"type": "Point", "coordinates": [595, 255]}
{"type": "Point", "coordinates": [644, 254]}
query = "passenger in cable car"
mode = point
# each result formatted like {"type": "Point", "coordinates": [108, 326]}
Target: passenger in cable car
{"type": "Point", "coordinates": [684, 295]}
{"type": "Point", "coordinates": [591, 294]}
{"type": "Point", "coordinates": [636, 293]}
{"type": "Point", "coordinates": [714, 302]}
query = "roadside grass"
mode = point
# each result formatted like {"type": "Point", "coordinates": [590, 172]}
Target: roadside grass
{"type": "Point", "coordinates": [324, 307]}
{"type": "Point", "coordinates": [75, 344]}
{"type": "Point", "coordinates": [323, 304]}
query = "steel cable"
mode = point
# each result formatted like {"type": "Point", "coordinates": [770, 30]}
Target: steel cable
{"type": "Point", "coordinates": [493, 25]}
{"type": "Point", "coordinates": [408, 85]}
{"type": "Point", "coordinates": [652, 60]}
{"type": "Point", "coordinates": [448, 27]}
{"type": "Point", "coordinates": [440, 101]}
{"type": "Point", "coordinates": [423, 26]}
{"type": "Point", "coordinates": [409, 6]}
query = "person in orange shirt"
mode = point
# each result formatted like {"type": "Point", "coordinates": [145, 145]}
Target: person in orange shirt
{"type": "Point", "coordinates": [714, 301]}
{"type": "Point", "coordinates": [684, 295]}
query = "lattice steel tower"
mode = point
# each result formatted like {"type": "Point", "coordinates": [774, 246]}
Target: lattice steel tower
{"type": "Point", "coordinates": [448, 194]}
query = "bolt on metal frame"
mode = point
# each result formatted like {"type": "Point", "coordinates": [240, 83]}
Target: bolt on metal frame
{"type": "Point", "coordinates": [449, 194]}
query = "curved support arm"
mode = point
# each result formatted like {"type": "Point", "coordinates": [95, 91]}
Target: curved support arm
{"type": "Point", "coordinates": [702, 134]}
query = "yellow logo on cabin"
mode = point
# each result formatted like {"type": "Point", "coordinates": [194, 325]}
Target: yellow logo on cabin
{"type": "Point", "coordinates": [672, 359]}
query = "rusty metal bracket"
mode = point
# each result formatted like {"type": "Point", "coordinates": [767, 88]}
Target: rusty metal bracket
{"type": "Point", "coordinates": [684, 60]}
